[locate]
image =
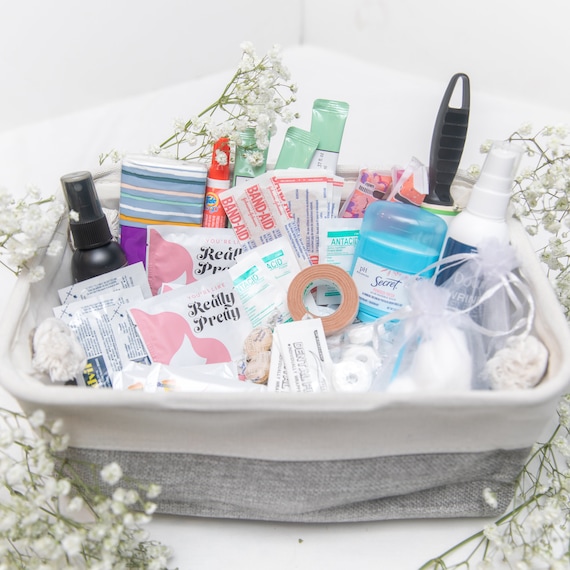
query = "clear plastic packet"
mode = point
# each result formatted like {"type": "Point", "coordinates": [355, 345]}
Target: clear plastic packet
{"type": "Point", "coordinates": [411, 184]}
{"type": "Point", "coordinates": [201, 378]}
{"type": "Point", "coordinates": [428, 346]}
{"type": "Point", "coordinates": [263, 297]}
{"type": "Point", "coordinates": [183, 254]}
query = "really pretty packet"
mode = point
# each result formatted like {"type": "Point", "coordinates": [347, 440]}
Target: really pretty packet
{"type": "Point", "coordinates": [182, 255]}
{"type": "Point", "coordinates": [201, 323]}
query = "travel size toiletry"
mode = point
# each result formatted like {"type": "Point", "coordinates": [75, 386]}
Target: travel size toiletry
{"type": "Point", "coordinates": [484, 217]}
{"type": "Point", "coordinates": [327, 124]}
{"type": "Point", "coordinates": [214, 215]}
{"type": "Point", "coordinates": [298, 149]}
{"type": "Point", "coordinates": [397, 242]}
{"type": "Point", "coordinates": [95, 250]}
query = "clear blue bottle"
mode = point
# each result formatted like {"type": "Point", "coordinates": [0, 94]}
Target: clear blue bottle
{"type": "Point", "coordinates": [397, 242]}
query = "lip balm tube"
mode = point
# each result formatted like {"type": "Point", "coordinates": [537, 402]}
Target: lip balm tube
{"type": "Point", "coordinates": [327, 124]}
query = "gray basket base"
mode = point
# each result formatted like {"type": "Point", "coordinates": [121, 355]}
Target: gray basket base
{"type": "Point", "coordinates": [384, 488]}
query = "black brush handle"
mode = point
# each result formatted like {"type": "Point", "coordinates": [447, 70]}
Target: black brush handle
{"type": "Point", "coordinates": [448, 141]}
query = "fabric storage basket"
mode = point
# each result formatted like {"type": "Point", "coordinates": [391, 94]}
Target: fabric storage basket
{"type": "Point", "coordinates": [326, 457]}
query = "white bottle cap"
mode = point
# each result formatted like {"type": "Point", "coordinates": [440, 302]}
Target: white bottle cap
{"type": "Point", "coordinates": [492, 192]}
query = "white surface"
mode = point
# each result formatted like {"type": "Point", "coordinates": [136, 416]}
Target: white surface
{"type": "Point", "coordinates": [385, 126]}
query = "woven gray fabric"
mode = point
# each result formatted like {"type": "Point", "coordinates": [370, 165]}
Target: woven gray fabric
{"type": "Point", "coordinates": [381, 488]}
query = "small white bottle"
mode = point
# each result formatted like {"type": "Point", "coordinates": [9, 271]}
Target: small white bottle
{"type": "Point", "coordinates": [485, 215]}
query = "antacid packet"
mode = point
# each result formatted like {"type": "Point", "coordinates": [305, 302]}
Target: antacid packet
{"type": "Point", "coordinates": [264, 298]}
{"type": "Point", "coordinates": [123, 278]}
{"type": "Point", "coordinates": [258, 213]}
{"type": "Point", "coordinates": [201, 323]}
{"type": "Point", "coordinates": [337, 244]}
{"type": "Point", "coordinates": [109, 338]}
{"type": "Point", "coordinates": [280, 259]}
{"type": "Point", "coordinates": [184, 254]}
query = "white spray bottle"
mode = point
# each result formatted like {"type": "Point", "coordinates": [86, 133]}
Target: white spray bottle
{"type": "Point", "coordinates": [485, 215]}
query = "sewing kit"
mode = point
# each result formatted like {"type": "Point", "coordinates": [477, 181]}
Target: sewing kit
{"type": "Point", "coordinates": [307, 354]}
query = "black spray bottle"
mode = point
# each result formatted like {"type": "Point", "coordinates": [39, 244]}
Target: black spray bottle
{"type": "Point", "coordinates": [95, 250]}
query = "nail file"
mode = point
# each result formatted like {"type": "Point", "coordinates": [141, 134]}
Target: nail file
{"type": "Point", "coordinates": [448, 141]}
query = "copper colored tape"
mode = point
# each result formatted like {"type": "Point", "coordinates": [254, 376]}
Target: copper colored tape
{"type": "Point", "coordinates": [315, 275]}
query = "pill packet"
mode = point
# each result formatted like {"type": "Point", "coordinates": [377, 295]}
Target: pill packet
{"type": "Point", "coordinates": [102, 326]}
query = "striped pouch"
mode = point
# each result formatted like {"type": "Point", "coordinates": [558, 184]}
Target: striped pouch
{"type": "Point", "coordinates": [157, 190]}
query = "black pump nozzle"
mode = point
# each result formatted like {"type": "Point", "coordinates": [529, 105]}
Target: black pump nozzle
{"type": "Point", "coordinates": [91, 229]}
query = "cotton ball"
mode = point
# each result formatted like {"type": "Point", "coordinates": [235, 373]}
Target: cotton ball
{"type": "Point", "coordinates": [519, 365]}
{"type": "Point", "coordinates": [56, 351]}
{"type": "Point", "coordinates": [443, 362]}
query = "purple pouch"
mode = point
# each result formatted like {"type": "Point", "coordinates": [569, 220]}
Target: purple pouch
{"type": "Point", "coordinates": [133, 242]}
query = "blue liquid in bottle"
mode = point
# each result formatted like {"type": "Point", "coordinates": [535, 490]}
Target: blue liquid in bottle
{"type": "Point", "coordinates": [397, 242]}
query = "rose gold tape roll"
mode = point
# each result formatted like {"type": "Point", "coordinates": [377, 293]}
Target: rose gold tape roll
{"type": "Point", "coordinates": [314, 275]}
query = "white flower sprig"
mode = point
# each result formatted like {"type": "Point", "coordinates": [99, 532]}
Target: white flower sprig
{"type": "Point", "coordinates": [535, 532]}
{"type": "Point", "coordinates": [542, 200]}
{"type": "Point", "coordinates": [26, 227]}
{"type": "Point", "coordinates": [51, 518]}
{"type": "Point", "coordinates": [257, 96]}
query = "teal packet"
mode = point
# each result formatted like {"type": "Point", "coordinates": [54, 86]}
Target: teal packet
{"type": "Point", "coordinates": [298, 149]}
{"type": "Point", "coordinates": [250, 161]}
{"type": "Point", "coordinates": [327, 124]}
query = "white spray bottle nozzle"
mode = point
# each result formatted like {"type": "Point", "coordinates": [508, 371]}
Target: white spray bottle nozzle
{"type": "Point", "coordinates": [492, 191]}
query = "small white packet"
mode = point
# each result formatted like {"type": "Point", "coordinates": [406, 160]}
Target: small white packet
{"type": "Point", "coordinates": [183, 254]}
{"type": "Point", "coordinates": [109, 338]}
{"type": "Point", "coordinates": [280, 259]}
{"type": "Point", "coordinates": [201, 323]}
{"type": "Point", "coordinates": [123, 278]}
{"type": "Point", "coordinates": [277, 381]}
{"type": "Point", "coordinates": [264, 298]}
{"type": "Point", "coordinates": [303, 347]}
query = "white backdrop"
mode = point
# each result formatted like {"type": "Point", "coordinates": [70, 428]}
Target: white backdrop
{"type": "Point", "coordinates": [63, 55]}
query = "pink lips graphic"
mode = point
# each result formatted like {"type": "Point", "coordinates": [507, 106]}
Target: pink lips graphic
{"type": "Point", "coordinates": [167, 262]}
{"type": "Point", "coordinates": [164, 334]}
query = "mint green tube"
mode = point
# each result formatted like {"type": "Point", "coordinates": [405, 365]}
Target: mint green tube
{"type": "Point", "coordinates": [327, 124]}
{"type": "Point", "coordinates": [298, 149]}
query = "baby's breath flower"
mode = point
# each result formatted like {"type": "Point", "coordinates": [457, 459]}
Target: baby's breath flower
{"type": "Point", "coordinates": [111, 473]}
{"type": "Point", "coordinates": [38, 528]}
{"type": "Point", "coordinates": [258, 95]}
